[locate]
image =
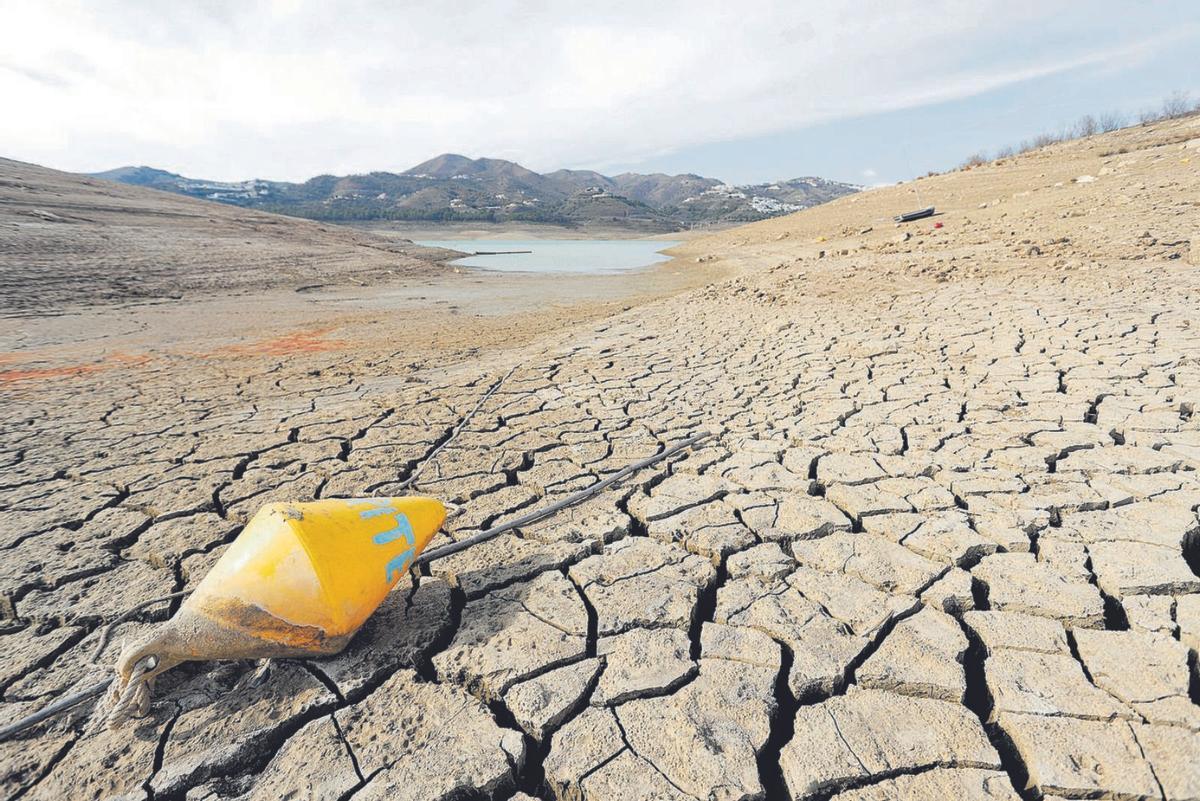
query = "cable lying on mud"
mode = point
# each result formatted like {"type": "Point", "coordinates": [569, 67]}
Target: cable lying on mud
{"type": "Point", "coordinates": [61, 705]}
{"type": "Point", "coordinates": [120, 704]}
{"type": "Point", "coordinates": [558, 506]}
{"type": "Point", "coordinates": [412, 478]}
{"type": "Point", "coordinates": [106, 635]}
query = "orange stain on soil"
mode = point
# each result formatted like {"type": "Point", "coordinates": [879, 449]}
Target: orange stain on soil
{"type": "Point", "coordinates": [68, 370]}
{"type": "Point", "coordinates": [310, 341]}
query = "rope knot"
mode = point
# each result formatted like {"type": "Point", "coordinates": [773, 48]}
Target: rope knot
{"type": "Point", "coordinates": [127, 700]}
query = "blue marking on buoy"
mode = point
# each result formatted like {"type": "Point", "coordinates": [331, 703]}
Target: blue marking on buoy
{"type": "Point", "coordinates": [369, 513]}
{"type": "Point", "coordinates": [398, 564]}
{"type": "Point", "coordinates": [379, 506]}
{"type": "Point", "coordinates": [402, 529]}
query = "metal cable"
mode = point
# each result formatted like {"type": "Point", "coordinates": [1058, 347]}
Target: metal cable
{"type": "Point", "coordinates": [106, 634]}
{"type": "Point", "coordinates": [558, 506]}
{"type": "Point", "coordinates": [412, 478]}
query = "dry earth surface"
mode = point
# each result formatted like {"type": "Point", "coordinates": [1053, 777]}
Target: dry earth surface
{"type": "Point", "coordinates": [945, 545]}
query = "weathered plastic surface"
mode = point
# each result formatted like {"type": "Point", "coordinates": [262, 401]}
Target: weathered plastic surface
{"type": "Point", "coordinates": [299, 580]}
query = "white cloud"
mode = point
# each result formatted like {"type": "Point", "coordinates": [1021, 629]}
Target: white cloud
{"type": "Point", "coordinates": [291, 88]}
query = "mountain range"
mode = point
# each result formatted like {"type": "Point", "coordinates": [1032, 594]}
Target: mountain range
{"type": "Point", "coordinates": [453, 188]}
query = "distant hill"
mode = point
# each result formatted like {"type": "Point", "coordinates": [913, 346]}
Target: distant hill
{"type": "Point", "coordinates": [454, 188]}
{"type": "Point", "coordinates": [68, 240]}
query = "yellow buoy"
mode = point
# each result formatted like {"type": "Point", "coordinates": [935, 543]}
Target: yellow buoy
{"type": "Point", "coordinates": [299, 580]}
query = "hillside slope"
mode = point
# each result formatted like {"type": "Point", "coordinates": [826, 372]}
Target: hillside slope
{"type": "Point", "coordinates": [66, 239]}
{"type": "Point", "coordinates": [1120, 200]}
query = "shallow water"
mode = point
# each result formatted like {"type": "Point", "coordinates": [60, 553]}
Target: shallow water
{"type": "Point", "coordinates": [559, 255]}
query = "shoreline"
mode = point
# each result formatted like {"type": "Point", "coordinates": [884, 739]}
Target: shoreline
{"type": "Point", "coordinates": [446, 313]}
{"type": "Point", "coordinates": [133, 271]}
{"type": "Point", "coordinates": [513, 231]}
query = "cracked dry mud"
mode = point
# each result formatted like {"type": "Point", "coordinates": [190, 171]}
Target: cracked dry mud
{"type": "Point", "coordinates": [946, 544]}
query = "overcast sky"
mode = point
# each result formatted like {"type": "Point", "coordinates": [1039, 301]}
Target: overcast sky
{"type": "Point", "coordinates": [745, 91]}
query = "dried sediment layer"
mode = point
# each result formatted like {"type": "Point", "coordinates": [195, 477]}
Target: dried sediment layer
{"type": "Point", "coordinates": [945, 545]}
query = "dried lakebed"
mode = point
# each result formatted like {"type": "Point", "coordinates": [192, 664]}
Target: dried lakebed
{"type": "Point", "coordinates": [945, 545]}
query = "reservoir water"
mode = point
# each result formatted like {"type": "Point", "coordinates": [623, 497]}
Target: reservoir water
{"type": "Point", "coordinates": [558, 255]}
